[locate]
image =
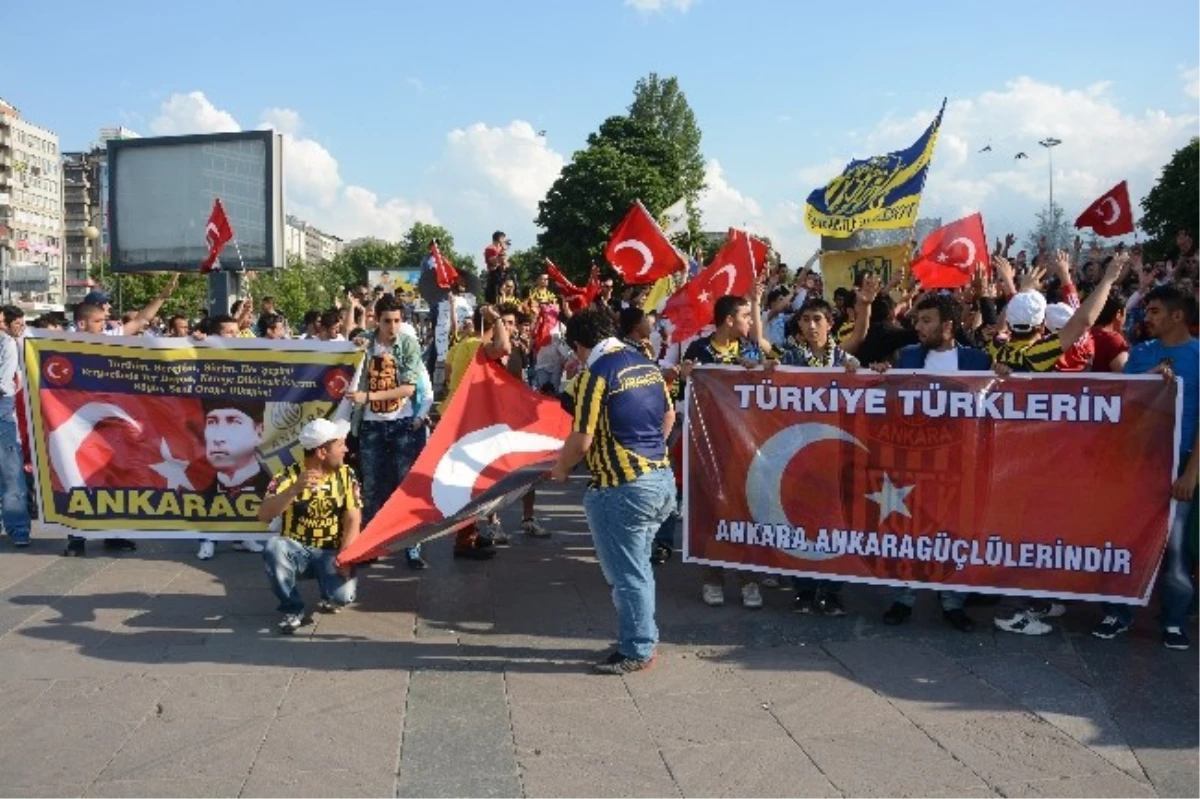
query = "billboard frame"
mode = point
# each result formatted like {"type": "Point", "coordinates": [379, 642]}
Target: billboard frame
{"type": "Point", "coordinates": [272, 194]}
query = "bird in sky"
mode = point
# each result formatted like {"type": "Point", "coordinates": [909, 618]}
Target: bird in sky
{"type": "Point", "coordinates": [986, 149]}
{"type": "Point", "coordinates": [1019, 156]}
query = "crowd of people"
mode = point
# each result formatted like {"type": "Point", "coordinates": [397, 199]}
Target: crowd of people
{"type": "Point", "coordinates": [611, 364]}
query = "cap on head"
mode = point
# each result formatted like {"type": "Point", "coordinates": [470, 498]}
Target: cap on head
{"type": "Point", "coordinates": [97, 298]}
{"type": "Point", "coordinates": [319, 432]}
{"type": "Point", "coordinates": [1025, 311]}
{"type": "Point", "coordinates": [1057, 316]}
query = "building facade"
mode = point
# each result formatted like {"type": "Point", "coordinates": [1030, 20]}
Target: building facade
{"type": "Point", "coordinates": [31, 211]}
{"type": "Point", "coordinates": [308, 243]}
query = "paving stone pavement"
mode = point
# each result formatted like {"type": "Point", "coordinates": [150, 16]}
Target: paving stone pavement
{"type": "Point", "coordinates": [154, 674]}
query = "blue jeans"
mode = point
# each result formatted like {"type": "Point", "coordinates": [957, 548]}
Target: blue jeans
{"type": "Point", "coordinates": [287, 561]}
{"type": "Point", "coordinates": [623, 521]}
{"type": "Point", "coordinates": [951, 600]}
{"type": "Point", "coordinates": [666, 530]}
{"type": "Point", "coordinates": [13, 491]}
{"type": "Point", "coordinates": [386, 454]}
{"type": "Point", "coordinates": [1174, 578]}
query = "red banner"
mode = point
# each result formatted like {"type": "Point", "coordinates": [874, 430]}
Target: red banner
{"type": "Point", "coordinates": [1049, 485]}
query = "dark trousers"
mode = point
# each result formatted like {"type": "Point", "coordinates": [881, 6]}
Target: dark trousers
{"type": "Point", "coordinates": [386, 452]}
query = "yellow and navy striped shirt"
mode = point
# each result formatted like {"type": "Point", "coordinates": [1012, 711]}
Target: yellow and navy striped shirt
{"type": "Point", "coordinates": [1027, 355]}
{"type": "Point", "coordinates": [620, 401]}
{"type": "Point", "coordinates": [315, 517]}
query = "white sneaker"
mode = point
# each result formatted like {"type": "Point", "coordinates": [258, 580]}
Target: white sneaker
{"type": "Point", "coordinates": [770, 582]}
{"type": "Point", "coordinates": [248, 546]}
{"type": "Point", "coordinates": [495, 532]}
{"type": "Point", "coordinates": [714, 595]}
{"type": "Point", "coordinates": [751, 596]}
{"type": "Point", "coordinates": [532, 528]}
{"type": "Point", "coordinates": [1023, 623]}
{"type": "Point", "coordinates": [207, 550]}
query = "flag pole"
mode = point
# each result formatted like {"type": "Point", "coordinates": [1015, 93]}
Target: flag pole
{"type": "Point", "coordinates": [241, 261]}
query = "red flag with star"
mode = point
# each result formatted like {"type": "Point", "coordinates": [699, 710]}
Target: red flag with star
{"type": "Point", "coordinates": [1110, 215]}
{"type": "Point", "coordinates": [733, 270]}
{"type": "Point", "coordinates": [443, 270]}
{"type": "Point", "coordinates": [640, 251]}
{"type": "Point", "coordinates": [950, 254]}
{"type": "Point", "coordinates": [217, 233]}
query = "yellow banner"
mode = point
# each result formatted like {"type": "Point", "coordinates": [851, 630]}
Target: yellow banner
{"type": "Point", "coordinates": [842, 269]}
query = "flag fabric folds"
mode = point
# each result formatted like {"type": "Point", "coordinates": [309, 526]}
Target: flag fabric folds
{"type": "Point", "coordinates": [640, 251]}
{"type": "Point", "coordinates": [674, 219]}
{"type": "Point", "coordinates": [496, 439]}
{"type": "Point", "coordinates": [732, 271]}
{"type": "Point", "coordinates": [950, 254]}
{"type": "Point", "coordinates": [881, 192]}
{"type": "Point", "coordinates": [1111, 214]}
{"type": "Point", "coordinates": [444, 271]}
{"type": "Point", "coordinates": [577, 298]}
{"type": "Point", "coordinates": [218, 232]}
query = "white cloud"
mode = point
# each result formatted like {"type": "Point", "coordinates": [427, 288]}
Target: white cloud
{"type": "Point", "coordinates": [655, 6]}
{"type": "Point", "coordinates": [514, 159]}
{"type": "Point", "coordinates": [188, 113]}
{"type": "Point", "coordinates": [1191, 82]}
{"type": "Point", "coordinates": [1102, 145]}
{"type": "Point", "coordinates": [723, 206]}
{"type": "Point", "coordinates": [312, 181]}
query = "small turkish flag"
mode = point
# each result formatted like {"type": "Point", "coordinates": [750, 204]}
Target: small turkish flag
{"type": "Point", "coordinates": [1110, 215]}
{"type": "Point", "coordinates": [217, 233]}
{"type": "Point", "coordinates": [950, 254]}
{"type": "Point", "coordinates": [577, 298]}
{"type": "Point", "coordinates": [640, 251]}
{"type": "Point", "coordinates": [733, 271]}
{"type": "Point", "coordinates": [443, 270]}
{"type": "Point", "coordinates": [497, 438]}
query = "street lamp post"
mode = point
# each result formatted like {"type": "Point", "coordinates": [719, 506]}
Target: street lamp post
{"type": "Point", "coordinates": [1050, 143]}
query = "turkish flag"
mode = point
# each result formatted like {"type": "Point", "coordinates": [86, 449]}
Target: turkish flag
{"type": "Point", "coordinates": [640, 251]}
{"type": "Point", "coordinates": [496, 439]}
{"type": "Point", "coordinates": [1110, 215]}
{"type": "Point", "coordinates": [217, 233]}
{"type": "Point", "coordinates": [950, 254]}
{"type": "Point", "coordinates": [577, 298]}
{"type": "Point", "coordinates": [443, 270]}
{"type": "Point", "coordinates": [114, 440]}
{"type": "Point", "coordinates": [733, 271]}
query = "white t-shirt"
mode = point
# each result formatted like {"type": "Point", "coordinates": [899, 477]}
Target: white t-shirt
{"type": "Point", "coordinates": [462, 310]}
{"type": "Point", "coordinates": [943, 361]}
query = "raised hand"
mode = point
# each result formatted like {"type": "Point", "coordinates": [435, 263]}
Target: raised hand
{"type": "Point", "coordinates": [1032, 280]}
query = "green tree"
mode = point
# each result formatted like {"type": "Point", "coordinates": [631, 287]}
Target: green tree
{"type": "Point", "coordinates": [133, 291]}
{"type": "Point", "coordinates": [624, 161]}
{"type": "Point", "coordinates": [661, 104]}
{"type": "Point", "coordinates": [299, 287]}
{"type": "Point", "coordinates": [1173, 204]}
{"type": "Point", "coordinates": [527, 265]}
{"type": "Point", "coordinates": [1052, 225]}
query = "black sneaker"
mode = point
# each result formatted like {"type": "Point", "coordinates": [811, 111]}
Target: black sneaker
{"type": "Point", "coordinates": [898, 613]}
{"type": "Point", "coordinates": [616, 663]}
{"type": "Point", "coordinates": [830, 605]}
{"type": "Point", "coordinates": [804, 602]}
{"type": "Point", "coordinates": [1109, 628]}
{"type": "Point", "coordinates": [1174, 638]}
{"type": "Point", "coordinates": [958, 620]}
{"type": "Point", "coordinates": [416, 562]}
{"type": "Point", "coordinates": [661, 553]}
{"type": "Point", "coordinates": [120, 544]}
{"type": "Point", "coordinates": [480, 551]}
{"type": "Point", "coordinates": [76, 548]}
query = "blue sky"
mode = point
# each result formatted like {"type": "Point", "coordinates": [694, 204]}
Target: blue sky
{"type": "Point", "coordinates": [407, 110]}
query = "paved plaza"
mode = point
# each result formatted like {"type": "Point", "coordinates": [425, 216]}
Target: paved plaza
{"type": "Point", "coordinates": [154, 674]}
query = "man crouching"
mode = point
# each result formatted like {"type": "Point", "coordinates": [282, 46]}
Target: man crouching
{"type": "Point", "coordinates": [320, 508]}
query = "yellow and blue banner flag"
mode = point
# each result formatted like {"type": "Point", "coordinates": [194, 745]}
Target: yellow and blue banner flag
{"type": "Point", "coordinates": [877, 193]}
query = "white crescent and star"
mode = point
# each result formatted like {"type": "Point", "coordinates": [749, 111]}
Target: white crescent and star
{"type": "Point", "coordinates": [52, 372]}
{"type": "Point", "coordinates": [459, 468]}
{"type": "Point", "coordinates": [172, 469]}
{"type": "Point", "coordinates": [731, 277]}
{"type": "Point", "coordinates": [66, 440]}
{"type": "Point", "coordinates": [212, 232]}
{"type": "Point", "coordinates": [891, 498]}
{"type": "Point", "coordinates": [1116, 210]}
{"type": "Point", "coordinates": [640, 247]}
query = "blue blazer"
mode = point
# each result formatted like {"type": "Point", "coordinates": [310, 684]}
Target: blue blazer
{"type": "Point", "coordinates": [969, 359]}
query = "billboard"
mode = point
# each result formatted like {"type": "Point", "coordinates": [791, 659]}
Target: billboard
{"type": "Point", "coordinates": [394, 281]}
{"type": "Point", "coordinates": [161, 192]}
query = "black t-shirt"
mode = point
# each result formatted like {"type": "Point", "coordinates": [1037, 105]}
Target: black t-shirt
{"type": "Point", "coordinates": [882, 342]}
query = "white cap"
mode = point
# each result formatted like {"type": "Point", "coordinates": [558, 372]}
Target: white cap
{"type": "Point", "coordinates": [322, 431]}
{"type": "Point", "coordinates": [1025, 311]}
{"type": "Point", "coordinates": [1057, 316]}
